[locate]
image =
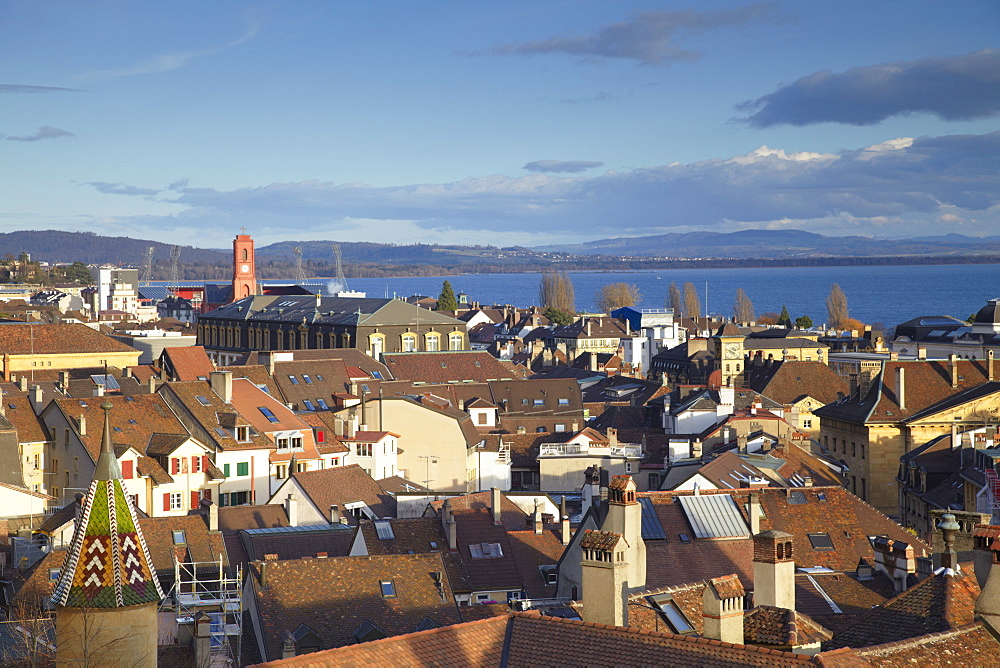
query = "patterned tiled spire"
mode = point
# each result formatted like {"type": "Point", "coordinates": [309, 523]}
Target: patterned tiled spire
{"type": "Point", "coordinates": [108, 565]}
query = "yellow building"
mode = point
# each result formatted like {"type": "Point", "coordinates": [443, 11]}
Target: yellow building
{"type": "Point", "coordinates": [28, 347]}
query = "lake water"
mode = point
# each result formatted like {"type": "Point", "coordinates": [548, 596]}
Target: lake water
{"type": "Point", "coordinates": [887, 294]}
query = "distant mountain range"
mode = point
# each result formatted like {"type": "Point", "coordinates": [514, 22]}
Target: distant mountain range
{"type": "Point", "coordinates": [793, 246]}
{"type": "Point", "coordinates": [779, 244]}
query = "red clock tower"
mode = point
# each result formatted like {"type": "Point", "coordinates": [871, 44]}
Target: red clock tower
{"type": "Point", "coordinates": [244, 281]}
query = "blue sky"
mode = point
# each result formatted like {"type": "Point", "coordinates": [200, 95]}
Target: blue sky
{"type": "Point", "coordinates": [501, 123]}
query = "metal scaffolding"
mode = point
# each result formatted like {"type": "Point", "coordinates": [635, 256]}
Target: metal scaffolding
{"type": "Point", "coordinates": [206, 586]}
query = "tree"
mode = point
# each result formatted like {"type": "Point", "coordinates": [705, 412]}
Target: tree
{"type": "Point", "coordinates": [674, 300]}
{"type": "Point", "coordinates": [617, 295]}
{"type": "Point", "coordinates": [692, 304]}
{"type": "Point", "coordinates": [768, 318]}
{"type": "Point", "coordinates": [836, 308]}
{"type": "Point", "coordinates": [743, 308]}
{"type": "Point", "coordinates": [556, 290]}
{"type": "Point", "coordinates": [784, 319]}
{"type": "Point", "coordinates": [558, 316]}
{"type": "Point", "coordinates": [803, 322]}
{"type": "Point", "coordinates": [78, 273]}
{"type": "Point", "coordinates": [446, 300]}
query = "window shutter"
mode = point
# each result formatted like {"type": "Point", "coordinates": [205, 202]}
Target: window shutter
{"type": "Point", "coordinates": [207, 493]}
{"type": "Point", "coordinates": [127, 469]}
{"type": "Point", "coordinates": [194, 463]}
{"type": "Point", "coordinates": [320, 436]}
{"type": "Point", "coordinates": [225, 470]}
{"type": "Point", "coordinates": [166, 501]}
{"type": "Point", "coordinates": [204, 463]}
{"type": "Point", "coordinates": [195, 498]}
{"type": "Point", "coordinates": [175, 465]}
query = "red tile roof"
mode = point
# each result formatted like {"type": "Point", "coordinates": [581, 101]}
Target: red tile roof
{"type": "Point", "coordinates": [188, 363]}
{"type": "Point", "coordinates": [57, 339]}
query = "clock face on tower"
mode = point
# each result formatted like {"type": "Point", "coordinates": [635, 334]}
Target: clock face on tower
{"type": "Point", "coordinates": [244, 268]}
{"type": "Point", "coordinates": [732, 349]}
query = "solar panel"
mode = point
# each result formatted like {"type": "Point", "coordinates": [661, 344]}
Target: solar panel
{"type": "Point", "coordinates": [714, 516]}
{"type": "Point", "coordinates": [651, 527]}
{"type": "Point", "coordinates": [107, 381]}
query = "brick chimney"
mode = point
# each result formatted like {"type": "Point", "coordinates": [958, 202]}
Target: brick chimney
{"type": "Point", "coordinates": [604, 578]}
{"type": "Point", "coordinates": [722, 609]}
{"type": "Point", "coordinates": [773, 570]}
{"type": "Point", "coordinates": [953, 369]}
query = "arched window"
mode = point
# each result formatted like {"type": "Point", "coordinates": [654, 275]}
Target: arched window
{"type": "Point", "coordinates": [409, 342]}
{"type": "Point", "coordinates": [246, 255]}
{"type": "Point", "coordinates": [376, 344]}
{"type": "Point", "coordinates": [432, 342]}
{"type": "Point", "coordinates": [455, 341]}
{"type": "Point", "coordinates": [281, 340]}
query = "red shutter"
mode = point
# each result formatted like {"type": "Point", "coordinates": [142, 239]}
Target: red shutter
{"type": "Point", "coordinates": [166, 501]}
{"type": "Point", "coordinates": [206, 494]}
{"type": "Point", "coordinates": [195, 498]}
{"type": "Point", "coordinates": [320, 436]}
{"type": "Point", "coordinates": [175, 465]}
{"type": "Point", "coordinates": [194, 463]}
{"type": "Point", "coordinates": [127, 469]}
{"type": "Point", "coordinates": [204, 463]}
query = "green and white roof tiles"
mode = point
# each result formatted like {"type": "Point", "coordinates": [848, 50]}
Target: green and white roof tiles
{"type": "Point", "coordinates": [108, 565]}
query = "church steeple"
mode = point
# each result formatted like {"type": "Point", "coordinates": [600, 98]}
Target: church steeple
{"type": "Point", "coordinates": [108, 565]}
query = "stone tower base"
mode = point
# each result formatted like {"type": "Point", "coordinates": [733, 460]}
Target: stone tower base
{"type": "Point", "coordinates": [120, 637]}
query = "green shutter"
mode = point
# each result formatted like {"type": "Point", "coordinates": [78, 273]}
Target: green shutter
{"type": "Point", "coordinates": [225, 470]}
{"type": "Point", "coordinates": [243, 468]}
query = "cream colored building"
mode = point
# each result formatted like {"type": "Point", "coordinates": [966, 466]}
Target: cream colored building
{"type": "Point", "coordinates": [28, 347]}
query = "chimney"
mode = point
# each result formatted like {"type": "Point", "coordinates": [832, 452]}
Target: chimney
{"type": "Point", "coordinates": [773, 570]}
{"type": "Point", "coordinates": [213, 514]}
{"type": "Point", "coordinates": [988, 604]}
{"type": "Point", "coordinates": [741, 444]}
{"type": "Point", "coordinates": [722, 609]}
{"type": "Point", "coordinates": [364, 411]}
{"type": "Point", "coordinates": [64, 380]}
{"type": "Point", "coordinates": [98, 390]}
{"type": "Point", "coordinates": [566, 534]}
{"type": "Point", "coordinates": [151, 384]}
{"type": "Point", "coordinates": [593, 361]}
{"type": "Point", "coordinates": [335, 514]}
{"type": "Point", "coordinates": [351, 426]}
{"type": "Point", "coordinates": [539, 525]}
{"type": "Point", "coordinates": [288, 646]}
{"type": "Point", "coordinates": [22, 383]}
{"type": "Point", "coordinates": [696, 448]}
{"type": "Point", "coordinates": [921, 353]}
{"type": "Point", "coordinates": [222, 385]}
{"type": "Point", "coordinates": [900, 387]}
{"type": "Point", "coordinates": [36, 399]}
{"type": "Point", "coordinates": [83, 425]}
{"type": "Point", "coordinates": [754, 512]}
{"type": "Point", "coordinates": [452, 535]}
{"type": "Point", "coordinates": [989, 365]}
{"type": "Point", "coordinates": [604, 578]}
{"type": "Point", "coordinates": [807, 481]}
{"type": "Point", "coordinates": [291, 509]}
{"type": "Point", "coordinates": [953, 368]}
{"type": "Point", "coordinates": [495, 505]}
{"type": "Point", "coordinates": [624, 516]}
{"type": "Point", "coordinates": [202, 640]}
{"type": "Point", "coordinates": [612, 437]}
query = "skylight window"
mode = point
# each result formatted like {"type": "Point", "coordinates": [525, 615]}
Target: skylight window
{"type": "Point", "coordinates": [307, 379]}
{"type": "Point", "coordinates": [322, 404]}
{"type": "Point", "coordinates": [485, 550]}
{"type": "Point", "coordinates": [821, 541]}
{"type": "Point", "coordinates": [384, 530]}
{"type": "Point", "coordinates": [319, 377]}
{"type": "Point", "coordinates": [222, 432]}
{"type": "Point", "coordinates": [203, 400]}
{"type": "Point", "coordinates": [267, 413]}
{"type": "Point", "coordinates": [672, 613]}
{"type": "Point", "coordinates": [375, 374]}
{"type": "Point", "coordinates": [117, 429]}
{"type": "Point", "coordinates": [178, 537]}
{"type": "Point", "coordinates": [308, 405]}
{"type": "Point", "coordinates": [295, 381]}
{"type": "Point", "coordinates": [388, 588]}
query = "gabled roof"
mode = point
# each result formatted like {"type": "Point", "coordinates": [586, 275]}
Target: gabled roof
{"type": "Point", "coordinates": [530, 639]}
{"type": "Point", "coordinates": [789, 381]}
{"type": "Point", "coordinates": [186, 363]}
{"type": "Point", "coordinates": [203, 409]}
{"type": "Point", "coordinates": [199, 544]}
{"type": "Point", "coordinates": [335, 596]}
{"type": "Point", "coordinates": [345, 484]}
{"type": "Point", "coordinates": [57, 339]}
{"type": "Point", "coordinates": [943, 601]}
{"type": "Point", "coordinates": [446, 367]}
{"type": "Point", "coordinates": [331, 540]}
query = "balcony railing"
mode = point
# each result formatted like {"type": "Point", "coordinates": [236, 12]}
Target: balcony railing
{"type": "Point", "coordinates": [629, 450]}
